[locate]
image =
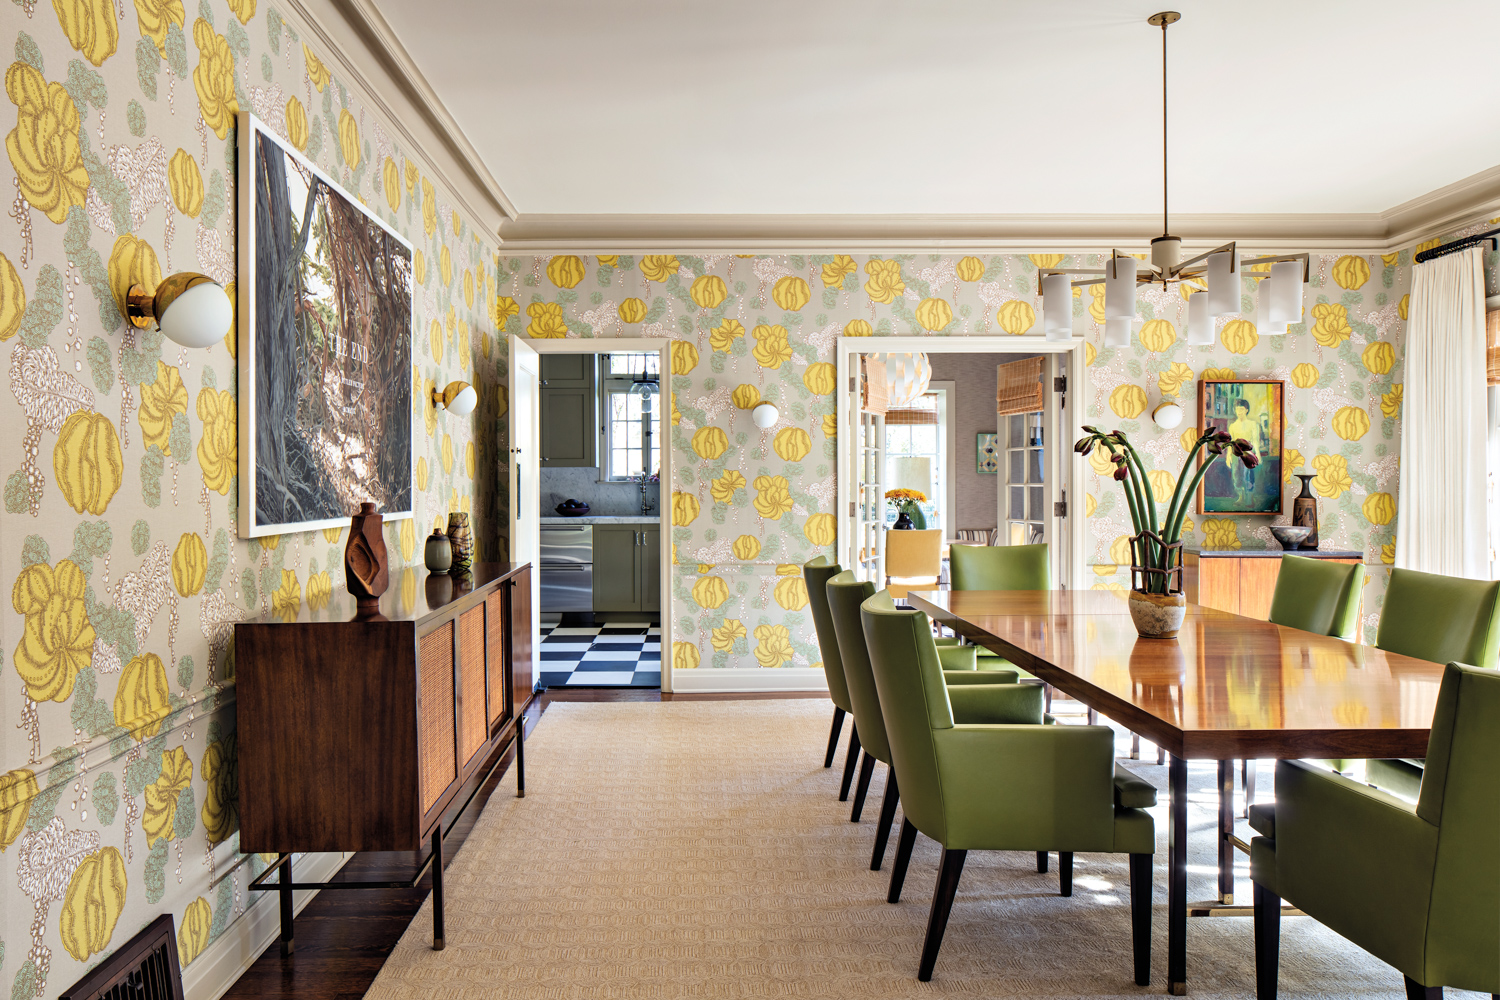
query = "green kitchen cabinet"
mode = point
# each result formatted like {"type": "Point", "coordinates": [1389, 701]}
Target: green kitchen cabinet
{"type": "Point", "coordinates": [627, 567]}
{"type": "Point", "coordinates": [648, 556]}
{"type": "Point", "coordinates": [569, 429]}
{"type": "Point", "coordinates": [567, 371]}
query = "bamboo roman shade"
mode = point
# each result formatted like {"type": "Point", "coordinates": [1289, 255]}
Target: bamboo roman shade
{"type": "Point", "coordinates": [1492, 345]}
{"type": "Point", "coordinates": [913, 416]}
{"type": "Point", "coordinates": [1018, 386]}
{"type": "Point", "coordinates": [876, 392]}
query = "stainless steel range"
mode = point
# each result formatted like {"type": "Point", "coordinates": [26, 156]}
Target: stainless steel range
{"type": "Point", "coordinates": [567, 568]}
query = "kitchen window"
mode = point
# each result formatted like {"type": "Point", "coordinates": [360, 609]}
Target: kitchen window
{"type": "Point", "coordinates": [630, 402]}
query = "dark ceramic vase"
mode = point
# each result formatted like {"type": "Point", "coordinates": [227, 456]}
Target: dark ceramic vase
{"type": "Point", "coordinates": [1305, 511]}
{"type": "Point", "coordinates": [903, 523]}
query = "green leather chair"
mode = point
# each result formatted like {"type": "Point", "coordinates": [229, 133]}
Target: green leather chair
{"type": "Point", "coordinates": [998, 787]}
{"type": "Point", "coordinates": [817, 573]}
{"type": "Point", "coordinates": [1417, 886]}
{"type": "Point", "coordinates": [1444, 619]}
{"type": "Point", "coordinates": [1316, 595]}
{"type": "Point", "coordinates": [999, 567]}
{"type": "Point", "coordinates": [991, 696]}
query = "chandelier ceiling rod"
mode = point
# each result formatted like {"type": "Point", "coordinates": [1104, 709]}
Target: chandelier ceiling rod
{"type": "Point", "coordinates": [1163, 19]}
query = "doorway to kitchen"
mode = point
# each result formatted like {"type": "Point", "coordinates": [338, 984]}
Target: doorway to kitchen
{"type": "Point", "coordinates": [601, 542]}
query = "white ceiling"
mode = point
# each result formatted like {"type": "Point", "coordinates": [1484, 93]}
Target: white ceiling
{"type": "Point", "coordinates": [964, 106]}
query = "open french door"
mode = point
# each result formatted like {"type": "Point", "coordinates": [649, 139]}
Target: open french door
{"type": "Point", "coordinates": [861, 545]}
{"type": "Point", "coordinates": [525, 469]}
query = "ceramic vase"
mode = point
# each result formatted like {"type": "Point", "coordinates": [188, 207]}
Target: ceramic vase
{"type": "Point", "coordinates": [438, 554]}
{"type": "Point", "coordinates": [1157, 616]}
{"type": "Point", "coordinates": [1305, 511]}
{"type": "Point", "coordinates": [461, 541]}
{"type": "Point", "coordinates": [903, 523]}
{"type": "Point", "coordinates": [366, 572]}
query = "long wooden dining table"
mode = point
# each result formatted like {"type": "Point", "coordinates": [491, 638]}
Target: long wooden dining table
{"type": "Point", "coordinates": [1227, 688]}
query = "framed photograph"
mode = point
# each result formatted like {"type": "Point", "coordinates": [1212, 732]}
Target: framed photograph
{"type": "Point", "coordinates": [988, 448]}
{"type": "Point", "coordinates": [325, 347]}
{"type": "Point", "coordinates": [1251, 409]}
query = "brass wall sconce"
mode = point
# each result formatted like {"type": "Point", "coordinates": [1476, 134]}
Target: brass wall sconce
{"type": "Point", "coordinates": [459, 398]}
{"type": "Point", "coordinates": [189, 308]}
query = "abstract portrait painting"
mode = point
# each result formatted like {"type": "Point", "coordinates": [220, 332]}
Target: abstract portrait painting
{"type": "Point", "coordinates": [1250, 410]}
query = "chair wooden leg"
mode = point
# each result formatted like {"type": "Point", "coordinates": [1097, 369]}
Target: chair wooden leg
{"type": "Point", "coordinates": [866, 768]}
{"type": "Point", "coordinates": [1140, 916]}
{"type": "Point", "coordinates": [1161, 756]}
{"type": "Point", "coordinates": [849, 762]}
{"type": "Point", "coordinates": [1267, 942]}
{"type": "Point", "coordinates": [1041, 862]}
{"type": "Point", "coordinates": [904, 844]}
{"type": "Point", "coordinates": [1135, 746]}
{"type": "Point", "coordinates": [949, 870]}
{"type": "Point", "coordinates": [833, 736]}
{"type": "Point", "coordinates": [1065, 872]}
{"type": "Point", "coordinates": [1093, 717]}
{"type": "Point", "coordinates": [887, 816]}
{"type": "Point", "coordinates": [1416, 991]}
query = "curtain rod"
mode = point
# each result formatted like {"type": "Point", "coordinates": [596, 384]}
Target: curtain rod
{"type": "Point", "coordinates": [1457, 245]}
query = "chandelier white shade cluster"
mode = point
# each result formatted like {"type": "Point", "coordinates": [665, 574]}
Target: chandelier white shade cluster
{"type": "Point", "coordinates": [1214, 276]}
{"type": "Point", "coordinates": [908, 376]}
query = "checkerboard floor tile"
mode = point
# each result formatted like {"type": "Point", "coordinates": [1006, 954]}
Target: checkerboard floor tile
{"type": "Point", "coordinates": [617, 654]}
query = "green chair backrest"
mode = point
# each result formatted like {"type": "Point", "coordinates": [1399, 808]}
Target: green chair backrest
{"type": "Point", "coordinates": [1461, 796]}
{"type": "Point", "coordinates": [1444, 619]}
{"type": "Point", "coordinates": [1000, 567]}
{"type": "Point", "coordinates": [1318, 595]}
{"type": "Point", "coordinates": [913, 701]}
{"type": "Point", "coordinates": [817, 573]}
{"type": "Point", "coordinates": [845, 595]}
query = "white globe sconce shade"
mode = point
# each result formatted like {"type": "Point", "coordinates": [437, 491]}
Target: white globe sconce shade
{"type": "Point", "coordinates": [459, 398]}
{"type": "Point", "coordinates": [1168, 414]}
{"type": "Point", "coordinates": [765, 415]}
{"type": "Point", "coordinates": [190, 309]}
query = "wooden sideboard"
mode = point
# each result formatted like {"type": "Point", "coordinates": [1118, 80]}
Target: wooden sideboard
{"type": "Point", "coordinates": [372, 734]}
{"type": "Point", "coordinates": [1243, 581]}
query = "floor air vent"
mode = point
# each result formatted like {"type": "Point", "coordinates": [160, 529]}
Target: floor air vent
{"type": "Point", "coordinates": [144, 969]}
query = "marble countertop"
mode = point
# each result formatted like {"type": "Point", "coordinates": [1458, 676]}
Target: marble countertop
{"type": "Point", "coordinates": [603, 519]}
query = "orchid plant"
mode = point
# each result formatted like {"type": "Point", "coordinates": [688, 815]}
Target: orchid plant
{"type": "Point", "coordinates": [1159, 538]}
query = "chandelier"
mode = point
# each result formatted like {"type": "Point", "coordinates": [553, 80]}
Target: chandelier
{"type": "Point", "coordinates": [1214, 275]}
{"type": "Point", "coordinates": [907, 378]}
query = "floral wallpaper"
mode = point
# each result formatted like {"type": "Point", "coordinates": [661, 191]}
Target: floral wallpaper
{"type": "Point", "coordinates": [118, 787]}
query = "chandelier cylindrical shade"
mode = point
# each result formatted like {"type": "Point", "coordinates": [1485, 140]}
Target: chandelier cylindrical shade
{"type": "Point", "coordinates": [1264, 325]}
{"type": "Point", "coordinates": [1119, 288]}
{"type": "Point", "coordinates": [1223, 284]}
{"type": "Point", "coordinates": [1117, 332]}
{"type": "Point", "coordinates": [907, 377]}
{"type": "Point", "coordinates": [1057, 307]}
{"type": "Point", "coordinates": [1286, 292]}
{"type": "Point", "coordinates": [1200, 324]}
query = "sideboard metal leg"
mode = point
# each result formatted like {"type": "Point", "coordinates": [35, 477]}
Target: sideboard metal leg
{"type": "Point", "coordinates": [287, 916]}
{"type": "Point", "coordinates": [521, 756]}
{"type": "Point", "coordinates": [437, 889]}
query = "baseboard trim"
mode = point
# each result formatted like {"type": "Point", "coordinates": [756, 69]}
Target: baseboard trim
{"type": "Point", "coordinates": [735, 679]}
{"type": "Point", "coordinates": [222, 963]}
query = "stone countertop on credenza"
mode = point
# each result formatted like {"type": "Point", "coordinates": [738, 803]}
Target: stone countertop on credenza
{"type": "Point", "coordinates": [1273, 553]}
{"type": "Point", "coordinates": [549, 522]}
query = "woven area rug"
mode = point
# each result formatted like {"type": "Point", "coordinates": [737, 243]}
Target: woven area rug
{"type": "Point", "coordinates": [698, 849]}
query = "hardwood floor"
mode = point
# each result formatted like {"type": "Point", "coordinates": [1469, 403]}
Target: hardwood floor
{"type": "Point", "coordinates": [344, 936]}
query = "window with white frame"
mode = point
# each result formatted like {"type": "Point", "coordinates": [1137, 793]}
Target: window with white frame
{"type": "Point", "coordinates": [630, 401]}
{"type": "Point", "coordinates": [916, 453]}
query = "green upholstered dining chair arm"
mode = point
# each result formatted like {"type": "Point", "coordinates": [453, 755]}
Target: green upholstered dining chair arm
{"type": "Point", "coordinates": [956, 657]}
{"type": "Point", "coordinates": [996, 704]}
{"type": "Point", "coordinates": [1026, 788]}
{"type": "Point", "coordinates": [980, 677]}
{"type": "Point", "coordinates": [1398, 776]}
{"type": "Point", "coordinates": [1131, 790]}
{"type": "Point", "coordinates": [946, 640]}
{"type": "Point", "coordinates": [1356, 859]}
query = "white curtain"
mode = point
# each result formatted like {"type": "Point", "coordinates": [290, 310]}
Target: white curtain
{"type": "Point", "coordinates": [1443, 522]}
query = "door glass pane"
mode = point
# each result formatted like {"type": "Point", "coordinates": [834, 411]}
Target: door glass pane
{"type": "Point", "coordinates": [1034, 466]}
{"type": "Point", "coordinates": [1017, 430]}
{"type": "Point", "coordinates": [1038, 500]}
{"type": "Point", "coordinates": [1018, 502]}
{"type": "Point", "coordinates": [1017, 466]}
{"type": "Point", "coordinates": [1017, 533]}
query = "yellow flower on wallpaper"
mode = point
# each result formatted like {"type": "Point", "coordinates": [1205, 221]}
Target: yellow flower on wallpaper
{"type": "Point", "coordinates": [92, 27]}
{"type": "Point", "coordinates": [773, 496]}
{"type": "Point", "coordinates": [192, 936]}
{"type": "Point", "coordinates": [1217, 374]}
{"type": "Point", "coordinates": [659, 267]}
{"type": "Point", "coordinates": [685, 656]}
{"type": "Point", "coordinates": [189, 564]}
{"type": "Point", "coordinates": [1016, 317]}
{"type": "Point", "coordinates": [771, 348]}
{"type": "Point", "coordinates": [1379, 508]}
{"type": "Point", "coordinates": [286, 600]}
{"type": "Point", "coordinates": [1305, 376]}
{"type": "Point", "coordinates": [154, 16]}
{"type": "Point", "coordinates": [1045, 259]}
{"type": "Point", "coordinates": [44, 147]}
{"type": "Point", "coordinates": [93, 903]}
{"type": "Point", "coordinates": [1402, 306]}
{"type": "Point", "coordinates": [1090, 502]}
{"type": "Point", "coordinates": [1378, 357]}
{"type": "Point", "coordinates": [745, 396]}
{"type": "Point", "coordinates": [87, 462]}
{"type": "Point", "coordinates": [1333, 475]}
{"type": "Point", "coordinates": [791, 593]}
{"type": "Point", "coordinates": [746, 547]}
{"type": "Point", "coordinates": [159, 816]}
{"type": "Point", "coordinates": [1351, 423]}
{"type": "Point", "coordinates": [213, 79]}
{"type": "Point", "coordinates": [676, 413]}
{"type": "Point", "coordinates": [773, 645]}
{"type": "Point", "coordinates": [445, 266]}
{"type": "Point", "coordinates": [1099, 461]}
{"type": "Point", "coordinates": [1291, 462]}
{"type": "Point", "coordinates": [1390, 402]}
{"type": "Point", "coordinates": [1239, 336]}
{"type": "Point", "coordinates": [836, 270]}
{"type": "Point", "coordinates": [724, 488]}
{"type": "Point", "coordinates": [1331, 327]}
{"type": "Point", "coordinates": [142, 699]}
{"type": "Point", "coordinates": [1388, 554]}
{"type": "Point", "coordinates": [468, 286]}
{"type": "Point", "coordinates": [819, 529]}
{"type": "Point", "coordinates": [457, 225]}
{"type": "Point", "coordinates": [565, 271]}
{"type": "Point", "coordinates": [632, 310]}
{"type": "Point", "coordinates": [220, 768]}
{"type": "Point", "coordinates": [885, 281]}
{"type": "Point", "coordinates": [446, 454]}
{"type": "Point", "coordinates": [186, 183]}
{"type": "Point", "coordinates": [317, 73]}
{"type": "Point", "coordinates": [503, 308]}
{"type": "Point", "coordinates": [160, 402]}
{"type": "Point", "coordinates": [1096, 303]}
{"type": "Point", "coordinates": [934, 314]}
{"type": "Point", "coordinates": [1128, 401]}
{"type": "Point", "coordinates": [708, 291]}
{"type": "Point", "coordinates": [391, 175]}
{"type": "Point", "coordinates": [710, 442]}
{"type": "Point", "coordinates": [723, 637]}
{"type": "Point", "coordinates": [12, 299]}
{"type": "Point", "coordinates": [830, 425]}
{"type": "Point", "coordinates": [970, 269]}
{"type": "Point", "coordinates": [1119, 551]}
{"type": "Point", "coordinates": [547, 321]}
{"type": "Point", "coordinates": [608, 260]}
{"type": "Point", "coordinates": [858, 328]}
{"type": "Point", "coordinates": [792, 444]}
{"type": "Point", "coordinates": [788, 569]}
{"type": "Point", "coordinates": [429, 411]}
{"type": "Point", "coordinates": [710, 592]}
{"type": "Point", "coordinates": [242, 9]}
{"type": "Point", "coordinates": [469, 459]}
{"type": "Point", "coordinates": [17, 789]}
{"type": "Point", "coordinates": [219, 445]}
{"type": "Point", "coordinates": [684, 357]}
{"type": "Point", "coordinates": [319, 590]}
{"type": "Point", "coordinates": [1187, 439]}
{"type": "Point", "coordinates": [791, 293]}
{"type": "Point", "coordinates": [429, 208]}
{"type": "Point", "coordinates": [1221, 533]}
{"type": "Point", "coordinates": [721, 337]}
{"type": "Point", "coordinates": [1351, 272]}
{"type": "Point", "coordinates": [1171, 381]}
{"type": "Point", "coordinates": [820, 377]}
{"type": "Point", "coordinates": [1158, 335]}
{"type": "Point", "coordinates": [685, 508]}
{"type": "Point", "coordinates": [132, 262]}
{"type": "Point", "coordinates": [1162, 484]}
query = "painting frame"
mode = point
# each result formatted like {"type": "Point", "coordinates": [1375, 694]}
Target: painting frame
{"type": "Point", "coordinates": [1218, 407]}
{"type": "Point", "coordinates": [382, 344]}
{"type": "Point", "coordinates": [987, 453]}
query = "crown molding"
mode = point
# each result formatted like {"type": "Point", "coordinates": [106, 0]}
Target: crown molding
{"type": "Point", "coordinates": [1440, 212]}
{"type": "Point", "coordinates": [366, 53]}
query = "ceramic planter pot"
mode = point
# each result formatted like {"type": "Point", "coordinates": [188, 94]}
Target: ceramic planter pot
{"type": "Point", "coordinates": [1157, 616]}
{"type": "Point", "coordinates": [438, 554]}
